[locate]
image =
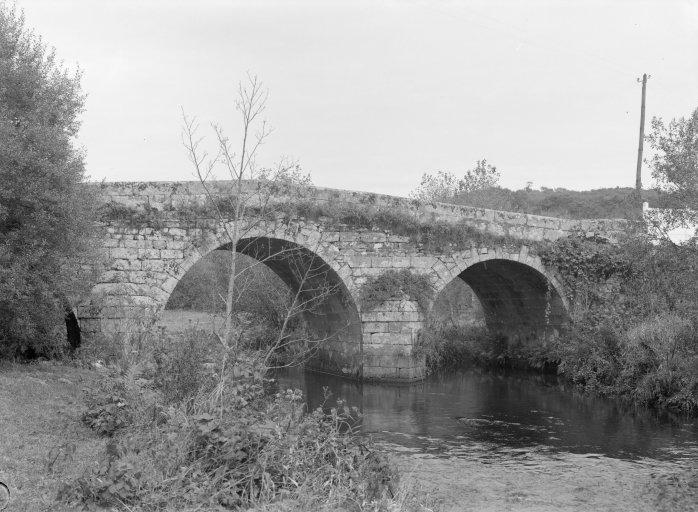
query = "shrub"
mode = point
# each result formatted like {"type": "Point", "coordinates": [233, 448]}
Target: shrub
{"type": "Point", "coordinates": [188, 433]}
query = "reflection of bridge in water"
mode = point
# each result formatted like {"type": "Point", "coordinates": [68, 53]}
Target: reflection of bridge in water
{"type": "Point", "coordinates": [520, 297]}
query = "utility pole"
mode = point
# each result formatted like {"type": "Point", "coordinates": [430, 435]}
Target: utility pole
{"type": "Point", "coordinates": [638, 176]}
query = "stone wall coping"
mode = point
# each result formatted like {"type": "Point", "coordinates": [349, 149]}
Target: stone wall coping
{"type": "Point", "coordinates": [449, 212]}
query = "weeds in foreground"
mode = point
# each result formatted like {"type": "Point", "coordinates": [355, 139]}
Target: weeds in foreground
{"type": "Point", "coordinates": [210, 431]}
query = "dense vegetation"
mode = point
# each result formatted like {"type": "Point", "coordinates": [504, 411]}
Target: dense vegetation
{"type": "Point", "coordinates": [633, 328]}
{"type": "Point", "coordinates": [190, 424]}
{"type": "Point", "coordinates": [48, 236]}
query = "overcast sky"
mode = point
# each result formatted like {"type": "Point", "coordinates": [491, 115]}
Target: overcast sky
{"type": "Point", "coordinates": [371, 95]}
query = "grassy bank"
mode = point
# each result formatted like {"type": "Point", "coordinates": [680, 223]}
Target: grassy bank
{"type": "Point", "coordinates": [172, 422]}
{"type": "Point", "coordinates": [40, 409]}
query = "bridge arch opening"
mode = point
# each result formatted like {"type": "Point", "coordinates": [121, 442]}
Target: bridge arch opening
{"type": "Point", "coordinates": [306, 288]}
{"type": "Point", "coordinates": [515, 300]}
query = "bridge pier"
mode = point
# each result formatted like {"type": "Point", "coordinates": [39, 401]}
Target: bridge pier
{"type": "Point", "coordinates": [390, 333]}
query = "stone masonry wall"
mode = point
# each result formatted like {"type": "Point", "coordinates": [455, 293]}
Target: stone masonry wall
{"type": "Point", "coordinates": [145, 263]}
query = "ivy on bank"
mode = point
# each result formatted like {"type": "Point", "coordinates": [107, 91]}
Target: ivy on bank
{"type": "Point", "coordinates": [585, 263]}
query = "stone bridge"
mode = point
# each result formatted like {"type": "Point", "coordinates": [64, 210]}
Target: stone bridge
{"type": "Point", "coordinates": [149, 245]}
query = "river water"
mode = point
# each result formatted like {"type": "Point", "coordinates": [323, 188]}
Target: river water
{"type": "Point", "coordinates": [479, 440]}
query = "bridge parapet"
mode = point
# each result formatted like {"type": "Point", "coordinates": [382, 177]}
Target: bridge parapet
{"type": "Point", "coordinates": [169, 196]}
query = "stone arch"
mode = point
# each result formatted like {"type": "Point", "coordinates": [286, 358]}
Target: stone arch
{"type": "Point", "coordinates": [334, 322]}
{"type": "Point", "coordinates": [521, 299]}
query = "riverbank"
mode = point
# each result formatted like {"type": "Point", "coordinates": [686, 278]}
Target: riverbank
{"type": "Point", "coordinates": [159, 428]}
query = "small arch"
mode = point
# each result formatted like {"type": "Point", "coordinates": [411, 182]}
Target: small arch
{"type": "Point", "coordinates": [72, 326]}
{"type": "Point", "coordinates": [518, 300]}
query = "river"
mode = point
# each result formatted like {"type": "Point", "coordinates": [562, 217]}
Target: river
{"type": "Point", "coordinates": [482, 440]}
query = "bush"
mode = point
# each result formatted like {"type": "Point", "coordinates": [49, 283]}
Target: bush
{"type": "Point", "coordinates": [655, 363]}
{"type": "Point", "coordinates": [450, 347]}
{"type": "Point", "coordinates": [191, 425]}
{"type": "Point", "coordinates": [50, 242]}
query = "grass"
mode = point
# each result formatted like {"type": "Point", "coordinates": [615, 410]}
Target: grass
{"type": "Point", "coordinates": [40, 407]}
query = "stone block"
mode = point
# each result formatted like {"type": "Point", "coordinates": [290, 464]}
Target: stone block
{"type": "Point", "coordinates": [509, 218]}
{"type": "Point", "coordinates": [176, 232]}
{"type": "Point", "coordinates": [170, 254]}
{"type": "Point", "coordinates": [553, 234]}
{"type": "Point", "coordinates": [152, 254]}
{"type": "Point", "coordinates": [177, 244]}
{"type": "Point", "coordinates": [371, 327]}
{"type": "Point", "coordinates": [120, 264]}
{"type": "Point", "coordinates": [123, 253]}
{"type": "Point", "coordinates": [348, 236]}
{"type": "Point", "coordinates": [387, 316]}
{"type": "Point", "coordinates": [137, 244]}
{"type": "Point", "coordinates": [422, 262]}
{"type": "Point", "coordinates": [152, 265]}
{"type": "Point", "coordinates": [404, 327]}
{"type": "Point", "coordinates": [373, 237]}
{"type": "Point", "coordinates": [113, 276]}
{"type": "Point", "coordinates": [538, 221]}
{"type": "Point", "coordinates": [389, 338]}
{"type": "Point", "coordinates": [359, 261]}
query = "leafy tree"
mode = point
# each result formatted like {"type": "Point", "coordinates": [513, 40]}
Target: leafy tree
{"type": "Point", "coordinates": [445, 186]}
{"type": "Point", "coordinates": [675, 171]}
{"type": "Point", "coordinates": [479, 187]}
{"type": "Point", "coordinates": [47, 233]}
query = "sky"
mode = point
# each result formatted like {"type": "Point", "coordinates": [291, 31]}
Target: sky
{"type": "Point", "coordinates": [370, 95]}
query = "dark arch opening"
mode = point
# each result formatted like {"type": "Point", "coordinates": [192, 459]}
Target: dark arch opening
{"type": "Point", "coordinates": [322, 300]}
{"type": "Point", "coordinates": [72, 326]}
{"type": "Point", "coordinates": [517, 300]}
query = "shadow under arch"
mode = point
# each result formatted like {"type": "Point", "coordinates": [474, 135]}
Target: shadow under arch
{"type": "Point", "coordinates": [326, 304]}
{"type": "Point", "coordinates": [518, 300]}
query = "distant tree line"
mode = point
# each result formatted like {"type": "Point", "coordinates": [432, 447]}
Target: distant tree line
{"type": "Point", "coordinates": [480, 188]}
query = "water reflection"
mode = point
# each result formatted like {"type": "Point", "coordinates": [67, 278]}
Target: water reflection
{"type": "Point", "coordinates": [513, 412]}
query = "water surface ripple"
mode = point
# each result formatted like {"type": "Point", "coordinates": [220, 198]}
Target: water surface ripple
{"type": "Point", "coordinates": [484, 440]}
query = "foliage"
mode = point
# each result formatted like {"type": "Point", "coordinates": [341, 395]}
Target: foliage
{"type": "Point", "coordinates": [46, 213]}
{"type": "Point", "coordinates": [395, 284]}
{"type": "Point", "coordinates": [449, 346]}
{"type": "Point", "coordinates": [232, 443]}
{"type": "Point", "coordinates": [631, 332]}
{"type": "Point", "coordinates": [456, 305]}
{"type": "Point", "coordinates": [585, 264]}
{"type": "Point", "coordinates": [675, 163]}
{"type": "Point", "coordinates": [480, 188]}
{"type": "Point", "coordinates": [433, 234]}
{"type": "Point", "coordinates": [445, 186]}
{"type": "Point", "coordinates": [259, 292]}
{"type": "Point", "coordinates": [653, 364]}
{"type": "Point", "coordinates": [675, 171]}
